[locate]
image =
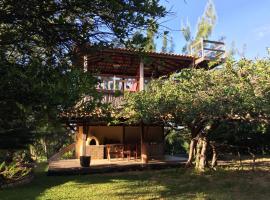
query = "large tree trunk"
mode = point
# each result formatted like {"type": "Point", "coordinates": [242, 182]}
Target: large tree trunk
{"type": "Point", "coordinates": [202, 162]}
{"type": "Point", "coordinates": [201, 154]}
{"type": "Point", "coordinates": [191, 153]}
{"type": "Point", "coordinates": [214, 156]}
{"type": "Point", "coordinates": [198, 153]}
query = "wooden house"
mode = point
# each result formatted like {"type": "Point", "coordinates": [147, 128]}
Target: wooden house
{"type": "Point", "coordinates": [120, 70]}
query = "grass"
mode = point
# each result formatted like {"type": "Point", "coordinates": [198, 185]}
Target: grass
{"type": "Point", "coordinates": [226, 183]}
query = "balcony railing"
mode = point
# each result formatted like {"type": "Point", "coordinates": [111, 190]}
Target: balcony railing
{"type": "Point", "coordinates": [208, 50]}
{"type": "Point", "coordinates": [117, 84]}
{"type": "Point", "coordinates": [112, 97]}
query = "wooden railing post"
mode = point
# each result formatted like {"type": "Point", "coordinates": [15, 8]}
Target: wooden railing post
{"type": "Point", "coordinates": [202, 47]}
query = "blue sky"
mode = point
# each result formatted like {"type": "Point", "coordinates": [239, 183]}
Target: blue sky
{"type": "Point", "coordinates": [246, 22]}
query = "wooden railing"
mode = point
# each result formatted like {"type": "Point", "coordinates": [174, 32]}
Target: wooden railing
{"type": "Point", "coordinates": [113, 97]}
{"type": "Point", "coordinates": [58, 155]}
{"type": "Point", "coordinates": [208, 50]}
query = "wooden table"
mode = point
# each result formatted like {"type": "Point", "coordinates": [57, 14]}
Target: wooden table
{"type": "Point", "coordinates": [118, 150]}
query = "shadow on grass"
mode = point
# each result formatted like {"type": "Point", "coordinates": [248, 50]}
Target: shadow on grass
{"type": "Point", "coordinates": [169, 184]}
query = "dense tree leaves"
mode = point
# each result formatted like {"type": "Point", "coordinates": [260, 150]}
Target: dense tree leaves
{"type": "Point", "coordinates": [200, 100]}
{"type": "Point", "coordinates": [53, 27]}
{"type": "Point", "coordinates": [204, 29]}
{"type": "Point", "coordinates": [37, 42]}
{"type": "Point", "coordinates": [33, 96]}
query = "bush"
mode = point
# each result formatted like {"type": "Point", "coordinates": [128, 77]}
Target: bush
{"type": "Point", "coordinates": [13, 172]}
{"type": "Point", "coordinates": [176, 142]}
{"type": "Point", "coordinates": [68, 155]}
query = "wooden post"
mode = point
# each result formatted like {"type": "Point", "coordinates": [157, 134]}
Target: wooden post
{"type": "Point", "coordinates": [84, 137]}
{"type": "Point", "coordinates": [144, 152]}
{"type": "Point", "coordinates": [114, 83]}
{"type": "Point", "coordinates": [83, 145]}
{"type": "Point", "coordinates": [202, 43]}
{"type": "Point", "coordinates": [163, 142]}
{"type": "Point", "coordinates": [123, 85]}
{"type": "Point", "coordinates": [141, 75]}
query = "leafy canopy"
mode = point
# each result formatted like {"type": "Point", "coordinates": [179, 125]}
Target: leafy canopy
{"type": "Point", "coordinates": [38, 41]}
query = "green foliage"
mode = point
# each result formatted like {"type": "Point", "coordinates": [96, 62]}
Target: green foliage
{"type": "Point", "coordinates": [205, 26]}
{"type": "Point", "coordinates": [38, 47]}
{"type": "Point", "coordinates": [68, 155]}
{"type": "Point", "coordinates": [176, 142]}
{"type": "Point", "coordinates": [164, 47]}
{"type": "Point", "coordinates": [172, 45]}
{"type": "Point", "coordinates": [201, 100]}
{"type": "Point", "coordinates": [150, 36]}
{"type": "Point", "coordinates": [207, 22]}
{"type": "Point", "coordinates": [13, 171]}
{"type": "Point", "coordinates": [34, 95]}
{"type": "Point", "coordinates": [242, 137]}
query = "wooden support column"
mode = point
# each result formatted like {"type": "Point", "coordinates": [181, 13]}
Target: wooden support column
{"type": "Point", "coordinates": [144, 150]}
{"type": "Point", "coordinates": [202, 47]}
{"type": "Point", "coordinates": [141, 76]}
{"type": "Point", "coordinates": [123, 85]}
{"type": "Point", "coordinates": [163, 138]}
{"type": "Point", "coordinates": [114, 83]}
{"type": "Point", "coordinates": [84, 137]}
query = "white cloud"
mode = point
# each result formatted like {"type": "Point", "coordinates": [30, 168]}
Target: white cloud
{"type": "Point", "coordinates": [262, 31]}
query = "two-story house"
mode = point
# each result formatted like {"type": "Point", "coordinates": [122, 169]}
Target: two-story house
{"type": "Point", "coordinates": [122, 70]}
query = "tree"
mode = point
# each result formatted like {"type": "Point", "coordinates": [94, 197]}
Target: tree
{"type": "Point", "coordinates": [164, 47]}
{"type": "Point", "coordinates": [38, 42]}
{"type": "Point", "coordinates": [172, 45]}
{"type": "Point", "coordinates": [205, 26]}
{"type": "Point", "coordinates": [150, 37]}
{"type": "Point", "coordinates": [201, 101]}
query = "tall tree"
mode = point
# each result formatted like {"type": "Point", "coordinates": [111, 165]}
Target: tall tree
{"type": "Point", "coordinates": [201, 100]}
{"type": "Point", "coordinates": [205, 26]}
{"type": "Point", "coordinates": [164, 47]}
{"type": "Point", "coordinates": [38, 42]}
{"type": "Point", "coordinates": [172, 45]}
{"type": "Point", "coordinates": [150, 37]}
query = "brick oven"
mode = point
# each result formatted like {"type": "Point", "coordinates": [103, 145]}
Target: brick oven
{"type": "Point", "coordinates": [94, 149]}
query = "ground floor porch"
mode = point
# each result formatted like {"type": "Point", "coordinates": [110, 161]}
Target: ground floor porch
{"type": "Point", "coordinates": [72, 166]}
{"type": "Point", "coordinates": [106, 142]}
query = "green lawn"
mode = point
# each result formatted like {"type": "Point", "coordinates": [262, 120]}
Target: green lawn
{"type": "Point", "coordinates": [164, 184]}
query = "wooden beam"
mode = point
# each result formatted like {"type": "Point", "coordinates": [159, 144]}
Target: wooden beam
{"type": "Point", "coordinates": [218, 50]}
{"type": "Point", "coordinates": [214, 42]}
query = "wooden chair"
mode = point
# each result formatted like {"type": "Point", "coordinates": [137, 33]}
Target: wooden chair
{"type": "Point", "coordinates": [132, 150]}
{"type": "Point", "coordinates": [116, 150]}
{"type": "Point", "coordinates": [135, 152]}
{"type": "Point", "coordinates": [126, 152]}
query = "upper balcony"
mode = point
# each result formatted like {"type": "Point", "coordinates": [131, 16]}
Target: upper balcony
{"type": "Point", "coordinates": [205, 51]}
{"type": "Point", "coordinates": [114, 87]}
